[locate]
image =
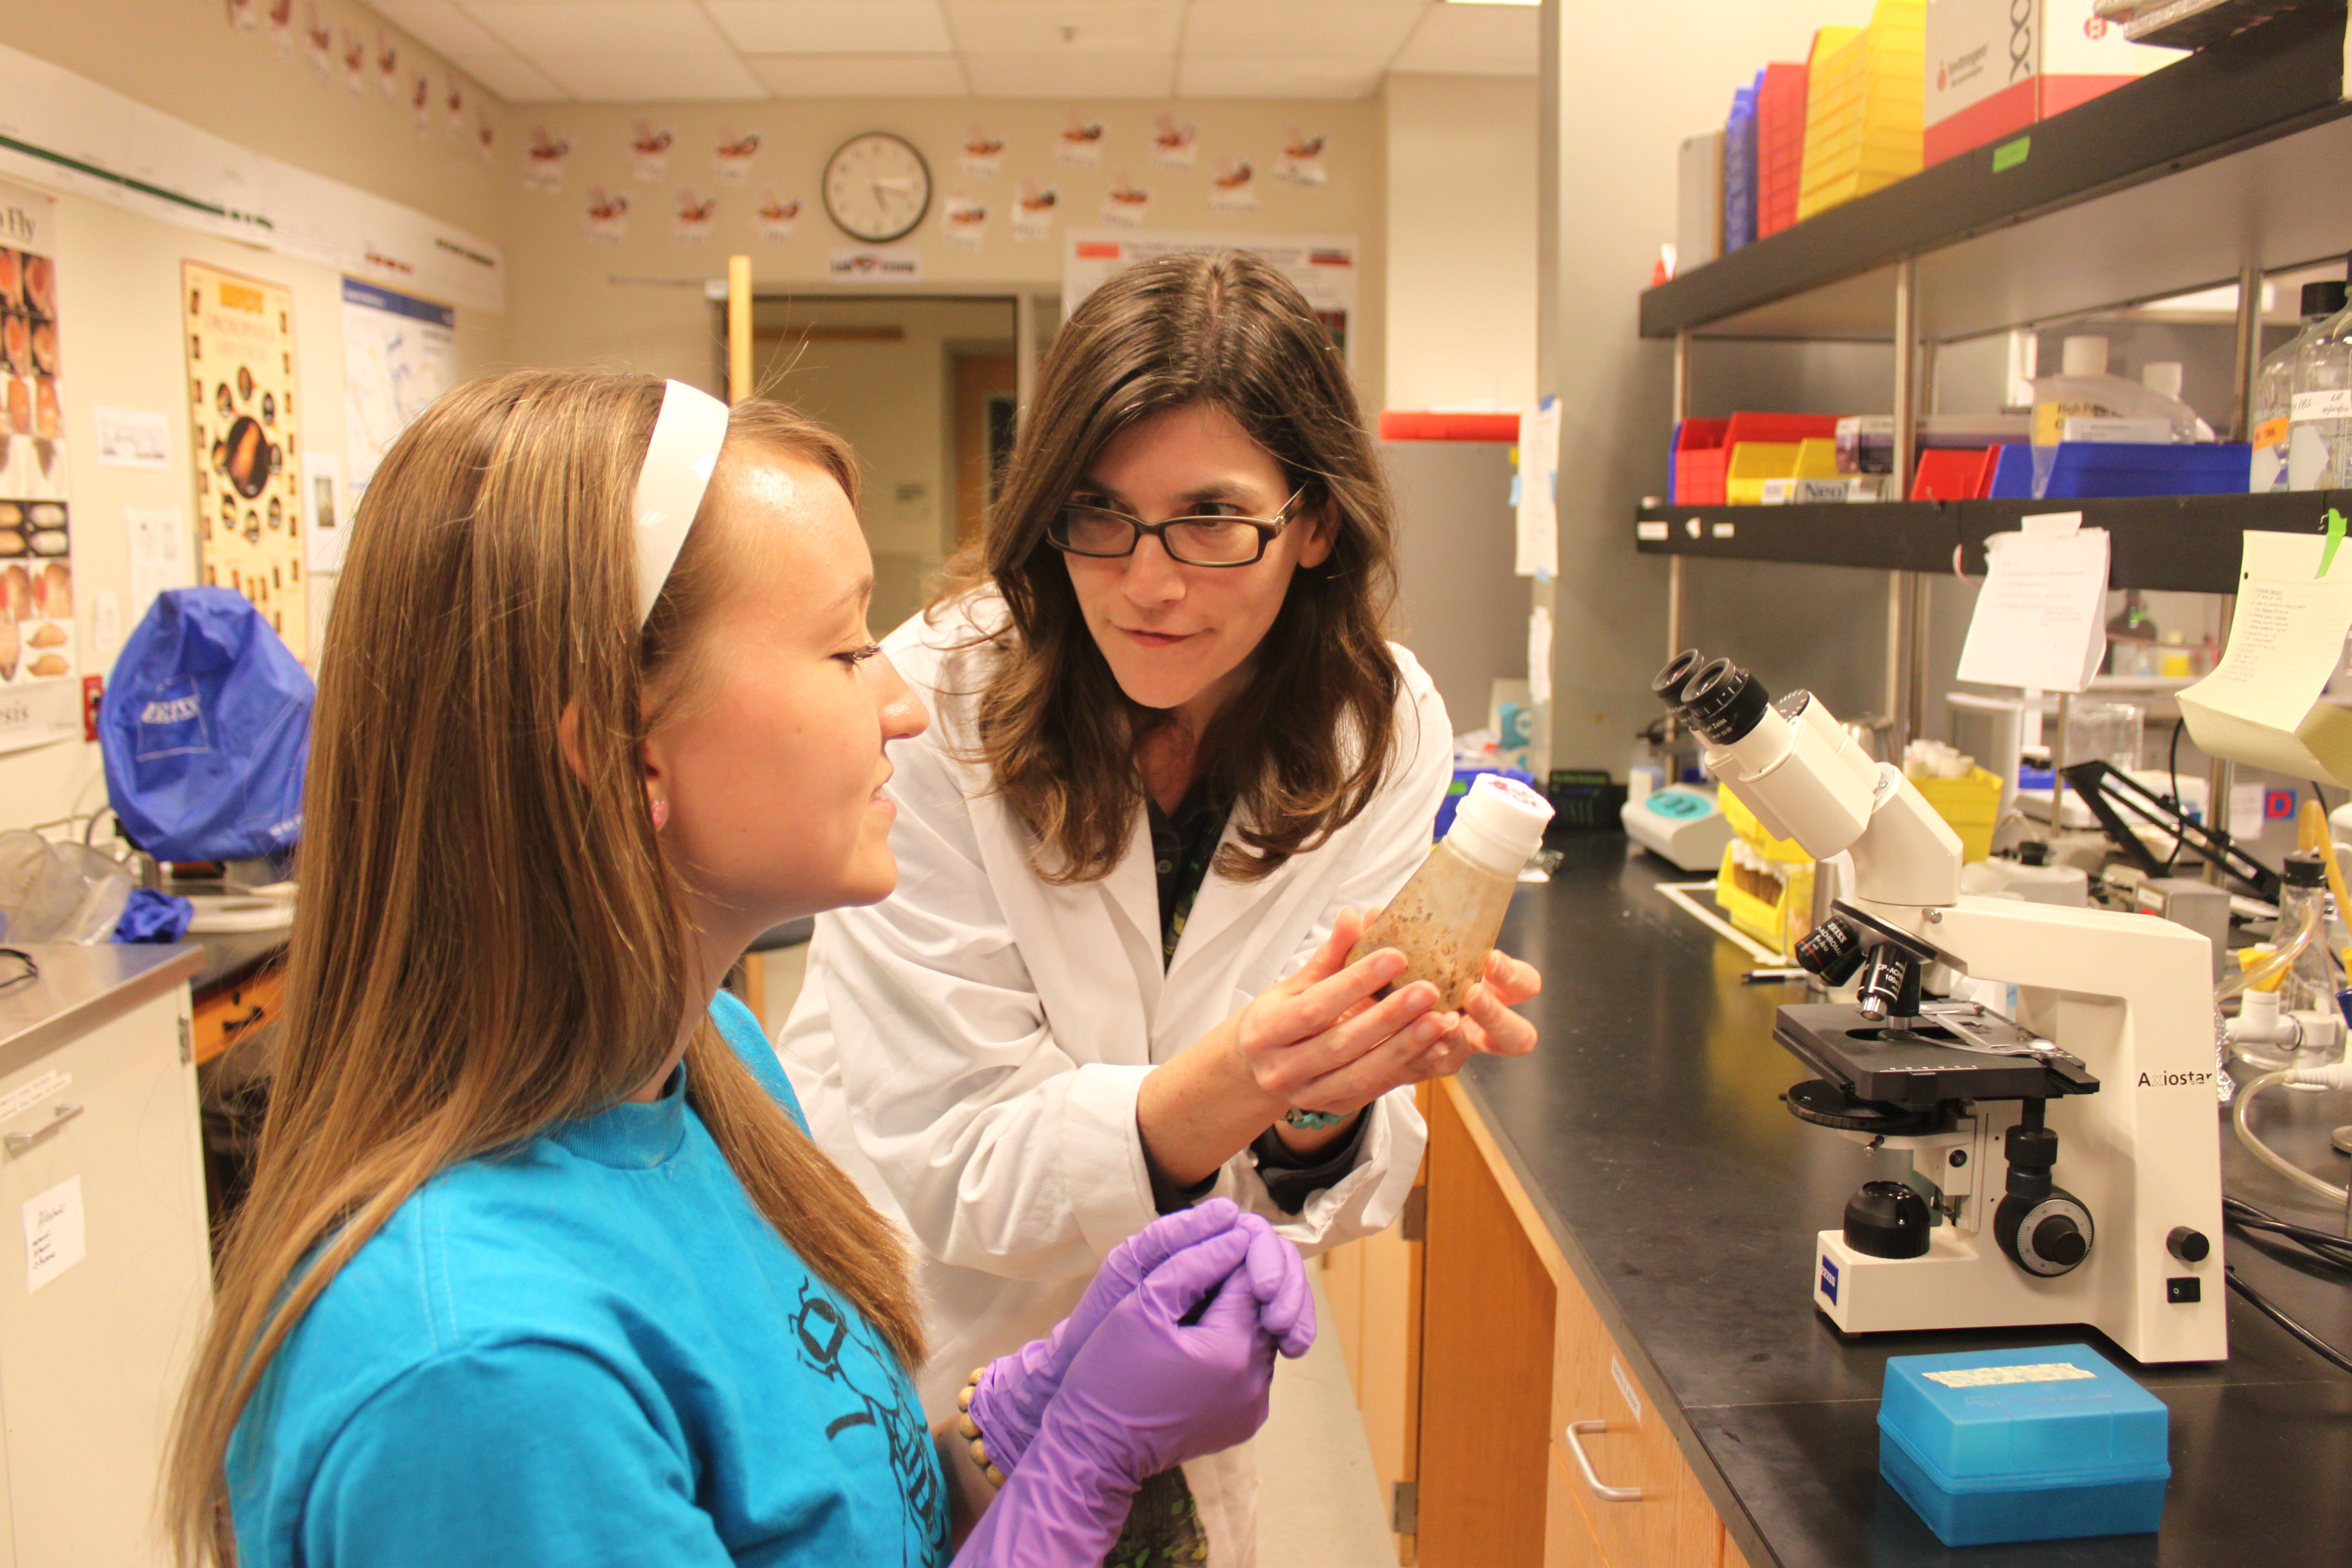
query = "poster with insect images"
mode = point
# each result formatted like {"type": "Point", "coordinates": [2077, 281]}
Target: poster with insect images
{"type": "Point", "coordinates": [240, 335]}
{"type": "Point", "coordinates": [40, 650]}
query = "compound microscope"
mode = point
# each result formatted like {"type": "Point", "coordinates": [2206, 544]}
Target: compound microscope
{"type": "Point", "coordinates": [2065, 1164]}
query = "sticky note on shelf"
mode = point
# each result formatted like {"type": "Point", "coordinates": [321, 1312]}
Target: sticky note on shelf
{"type": "Point", "coordinates": [53, 1233]}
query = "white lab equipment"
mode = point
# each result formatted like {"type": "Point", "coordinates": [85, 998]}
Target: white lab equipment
{"type": "Point", "coordinates": [1683, 825]}
{"type": "Point", "coordinates": [2104, 1082]}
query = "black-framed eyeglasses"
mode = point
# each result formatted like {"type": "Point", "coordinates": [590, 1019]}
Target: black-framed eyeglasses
{"type": "Point", "coordinates": [1105, 533]}
{"type": "Point", "coordinates": [17, 968]}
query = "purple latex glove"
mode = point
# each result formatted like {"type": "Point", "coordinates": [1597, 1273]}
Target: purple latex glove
{"type": "Point", "coordinates": [1014, 1390]}
{"type": "Point", "coordinates": [1145, 1392]}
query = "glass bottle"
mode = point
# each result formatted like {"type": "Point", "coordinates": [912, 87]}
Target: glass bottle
{"type": "Point", "coordinates": [2319, 414]}
{"type": "Point", "coordinates": [1444, 919]}
{"type": "Point", "coordinates": [2309, 986]}
{"type": "Point", "coordinates": [2274, 389]}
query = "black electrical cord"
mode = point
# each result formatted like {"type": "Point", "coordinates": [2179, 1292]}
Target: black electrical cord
{"type": "Point", "coordinates": [2172, 767]}
{"type": "Point", "coordinates": [2334, 1251]}
{"type": "Point", "coordinates": [2271, 1309]}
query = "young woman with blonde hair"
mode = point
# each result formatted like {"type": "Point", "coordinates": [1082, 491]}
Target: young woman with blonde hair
{"type": "Point", "coordinates": [1176, 758]}
{"type": "Point", "coordinates": [539, 1265]}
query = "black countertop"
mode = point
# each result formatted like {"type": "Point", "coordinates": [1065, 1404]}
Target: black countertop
{"type": "Point", "coordinates": [1647, 1128]}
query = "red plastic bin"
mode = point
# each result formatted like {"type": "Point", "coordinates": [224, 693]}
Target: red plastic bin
{"type": "Point", "coordinates": [1954, 473]}
{"type": "Point", "coordinates": [1780, 146]}
{"type": "Point", "coordinates": [1416, 425]}
{"type": "Point", "coordinates": [1701, 454]}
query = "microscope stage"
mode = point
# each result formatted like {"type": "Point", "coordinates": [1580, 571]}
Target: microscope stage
{"type": "Point", "coordinates": [1952, 1050]}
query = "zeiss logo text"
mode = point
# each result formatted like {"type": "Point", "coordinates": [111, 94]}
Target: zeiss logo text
{"type": "Point", "coordinates": [178, 710]}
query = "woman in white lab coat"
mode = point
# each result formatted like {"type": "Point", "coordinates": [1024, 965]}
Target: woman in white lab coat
{"type": "Point", "coordinates": [1173, 757]}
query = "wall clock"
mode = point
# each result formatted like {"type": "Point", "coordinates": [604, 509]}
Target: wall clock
{"type": "Point", "coordinates": [877, 187]}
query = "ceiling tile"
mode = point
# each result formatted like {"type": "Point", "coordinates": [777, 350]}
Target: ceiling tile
{"type": "Point", "coordinates": [619, 28]}
{"type": "Point", "coordinates": [1025, 27]}
{"type": "Point", "coordinates": [1060, 74]}
{"type": "Point", "coordinates": [439, 25]}
{"type": "Point", "coordinates": [1331, 29]}
{"type": "Point", "coordinates": [832, 27]}
{"type": "Point", "coordinates": [510, 76]}
{"type": "Point", "coordinates": [1498, 40]}
{"type": "Point", "coordinates": [1257, 76]}
{"type": "Point", "coordinates": [623, 79]}
{"type": "Point", "coordinates": [861, 76]}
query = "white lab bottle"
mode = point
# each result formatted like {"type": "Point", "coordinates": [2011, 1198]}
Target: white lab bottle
{"type": "Point", "coordinates": [2319, 418]}
{"type": "Point", "coordinates": [1444, 919]}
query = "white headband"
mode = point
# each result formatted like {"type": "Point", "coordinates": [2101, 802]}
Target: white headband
{"type": "Point", "coordinates": [679, 461]}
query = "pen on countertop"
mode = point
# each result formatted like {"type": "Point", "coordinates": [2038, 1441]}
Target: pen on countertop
{"type": "Point", "coordinates": [1765, 976]}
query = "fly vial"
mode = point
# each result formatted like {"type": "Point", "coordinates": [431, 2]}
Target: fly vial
{"type": "Point", "coordinates": [1444, 919]}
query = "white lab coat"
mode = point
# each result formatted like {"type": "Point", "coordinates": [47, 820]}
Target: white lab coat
{"type": "Point", "coordinates": [969, 1050]}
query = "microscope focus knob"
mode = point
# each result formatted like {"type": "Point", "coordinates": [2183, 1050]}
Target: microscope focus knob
{"type": "Point", "coordinates": [2187, 1245]}
{"type": "Point", "coordinates": [2059, 1240]}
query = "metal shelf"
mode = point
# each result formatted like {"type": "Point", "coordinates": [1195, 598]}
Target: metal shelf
{"type": "Point", "coordinates": [2185, 543]}
{"type": "Point", "coordinates": [2239, 153]}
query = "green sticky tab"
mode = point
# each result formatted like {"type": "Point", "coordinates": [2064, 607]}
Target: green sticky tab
{"type": "Point", "coordinates": [2335, 538]}
{"type": "Point", "coordinates": [2010, 155]}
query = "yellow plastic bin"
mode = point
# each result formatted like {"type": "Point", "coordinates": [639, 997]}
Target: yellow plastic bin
{"type": "Point", "coordinates": [1753, 462]}
{"type": "Point", "coordinates": [1865, 106]}
{"type": "Point", "coordinates": [1970, 807]}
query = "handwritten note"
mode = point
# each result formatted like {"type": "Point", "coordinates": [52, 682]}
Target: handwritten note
{"type": "Point", "coordinates": [2264, 703]}
{"type": "Point", "coordinates": [2038, 621]}
{"type": "Point", "coordinates": [52, 1236]}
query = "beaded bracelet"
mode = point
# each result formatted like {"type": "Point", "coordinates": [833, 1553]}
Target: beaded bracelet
{"type": "Point", "coordinates": [971, 1429]}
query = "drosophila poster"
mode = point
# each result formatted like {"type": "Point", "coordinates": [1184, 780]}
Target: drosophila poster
{"type": "Point", "coordinates": [1301, 159]}
{"type": "Point", "coordinates": [649, 148]}
{"type": "Point", "coordinates": [249, 503]}
{"type": "Point", "coordinates": [731, 160]}
{"type": "Point", "coordinates": [964, 221]}
{"type": "Point", "coordinates": [1125, 202]}
{"type": "Point", "coordinates": [39, 646]}
{"type": "Point", "coordinates": [776, 218]}
{"type": "Point", "coordinates": [1175, 145]}
{"type": "Point", "coordinates": [1234, 188]}
{"type": "Point", "coordinates": [983, 155]}
{"type": "Point", "coordinates": [1078, 144]}
{"type": "Point", "coordinates": [697, 215]}
{"type": "Point", "coordinates": [1033, 210]}
{"type": "Point", "coordinates": [543, 163]}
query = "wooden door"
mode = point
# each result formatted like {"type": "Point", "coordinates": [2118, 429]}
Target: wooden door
{"type": "Point", "coordinates": [985, 411]}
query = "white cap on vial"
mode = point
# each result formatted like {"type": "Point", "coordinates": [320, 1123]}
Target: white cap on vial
{"type": "Point", "coordinates": [1499, 824]}
{"type": "Point", "coordinates": [2085, 355]}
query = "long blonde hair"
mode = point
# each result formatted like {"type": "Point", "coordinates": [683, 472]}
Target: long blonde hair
{"type": "Point", "coordinates": [488, 941]}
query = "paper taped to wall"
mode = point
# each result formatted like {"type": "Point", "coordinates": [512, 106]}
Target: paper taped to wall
{"type": "Point", "coordinates": [2039, 621]}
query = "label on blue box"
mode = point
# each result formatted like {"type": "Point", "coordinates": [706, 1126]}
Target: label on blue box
{"type": "Point", "coordinates": [1829, 1277]}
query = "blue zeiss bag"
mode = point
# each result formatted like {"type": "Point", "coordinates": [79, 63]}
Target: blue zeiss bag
{"type": "Point", "coordinates": [206, 728]}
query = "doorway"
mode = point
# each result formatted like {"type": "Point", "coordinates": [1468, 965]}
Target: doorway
{"type": "Point", "coordinates": [923, 389]}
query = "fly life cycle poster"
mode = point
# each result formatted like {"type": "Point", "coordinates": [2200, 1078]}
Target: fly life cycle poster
{"type": "Point", "coordinates": [248, 464]}
{"type": "Point", "coordinates": [40, 654]}
{"type": "Point", "coordinates": [399, 355]}
{"type": "Point", "coordinates": [1322, 264]}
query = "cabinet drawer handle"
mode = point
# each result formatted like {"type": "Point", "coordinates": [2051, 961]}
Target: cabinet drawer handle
{"type": "Point", "coordinates": [230, 1027]}
{"type": "Point", "coordinates": [17, 1142]}
{"type": "Point", "coordinates": [1575, 1439]}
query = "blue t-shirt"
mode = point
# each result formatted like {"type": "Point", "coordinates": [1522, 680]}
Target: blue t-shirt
{"type": "Point", "coordinates": [591, 1350]}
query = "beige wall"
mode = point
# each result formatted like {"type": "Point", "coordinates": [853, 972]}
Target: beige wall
{"type": "Point", "coordinates": [185, 59]}
{"type": "Point", "coordinates": [1613, 121]}
{"type": "Point", "coordinates": [1461, 296]}
{"type": "Point", "coordinates": [574, 300]}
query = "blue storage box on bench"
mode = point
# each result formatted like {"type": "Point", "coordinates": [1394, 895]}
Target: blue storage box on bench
{"type": "Point", "coordinates": [2087, 470]}
{"type": "Point", "coordinates": [2037, 1443]}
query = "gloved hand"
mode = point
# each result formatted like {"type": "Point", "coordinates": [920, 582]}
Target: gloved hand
{"type": "Point", "coordinates": [1146, 1390]}
{"type": "Point", "coordinates": [1010, 1400]}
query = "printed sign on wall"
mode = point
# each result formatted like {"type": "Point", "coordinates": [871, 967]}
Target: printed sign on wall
{"type": "Point", "coordinates": [244, 432]}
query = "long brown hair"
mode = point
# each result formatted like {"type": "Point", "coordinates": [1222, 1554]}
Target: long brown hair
{"type": "Point", "coordinates": [1303, 748]}
{"type": "Point", "coordinates": [489, 940]}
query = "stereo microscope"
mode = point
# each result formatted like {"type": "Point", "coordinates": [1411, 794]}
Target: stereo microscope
{"type": "Point", "coordinates": [2065, 1164]}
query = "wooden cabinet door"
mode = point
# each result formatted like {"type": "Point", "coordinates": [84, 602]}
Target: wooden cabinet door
{"type": "Point", "coordinates": [1567, 1538]}
{"type": "Point", "coordinates": [1488, 1314]}
{"type": "Point", "coordinates": [91, 1360]}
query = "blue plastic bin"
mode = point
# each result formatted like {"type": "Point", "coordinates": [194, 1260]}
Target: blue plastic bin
{"type": "Point", "coordinates": [1739, 171]}
{"type": "Point", "coordinates": [2034, 1443]}
{"type": "Point", "coordinates": [2087, 470]}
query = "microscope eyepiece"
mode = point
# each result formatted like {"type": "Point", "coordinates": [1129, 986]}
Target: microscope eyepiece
{"type": "Point", "coordinates": [1723, 702]}
{"type": "Point", "coordinates": [1667, 687]}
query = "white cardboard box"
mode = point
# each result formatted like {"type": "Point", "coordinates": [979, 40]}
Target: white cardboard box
{"type": "Point", "coordinates": [1995, 66]}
